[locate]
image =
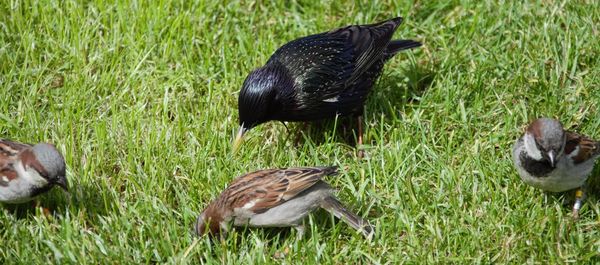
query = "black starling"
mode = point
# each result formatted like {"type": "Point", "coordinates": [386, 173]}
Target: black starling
{"type": "Point", "coordinates": [319, 76]}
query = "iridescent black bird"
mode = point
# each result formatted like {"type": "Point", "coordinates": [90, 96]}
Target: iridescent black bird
{"type": "Point", "coordinates": [319, 76]}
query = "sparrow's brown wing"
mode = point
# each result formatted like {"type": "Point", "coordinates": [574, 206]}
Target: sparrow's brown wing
{"type": "Point", "coordinates": [264, 189]}
{"type": "Point", "coordinates": [8, 151]}
{"type": "Point", "coordinates": [12, 148]}
{"type": "Point", "coordinates": [585, 147]}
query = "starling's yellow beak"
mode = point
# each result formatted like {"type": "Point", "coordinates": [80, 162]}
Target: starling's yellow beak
{"type": "Point", "coordinates": [239, 138]}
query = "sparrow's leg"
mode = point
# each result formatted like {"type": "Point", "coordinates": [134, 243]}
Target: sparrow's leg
{"type": "Point", "coordinates": [45, 211]}
{"type": "Point", "coordinates": [299, 231]}
{"type": "Point", "coordinates": [579, 197]}
{"type": "Point", "coordinates": [359, 143]}
{"type": "Point", "coordinates": [223, 236]}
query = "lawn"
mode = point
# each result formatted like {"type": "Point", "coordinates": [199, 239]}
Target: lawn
{"type": "Point", "coordinates": [141, 98]}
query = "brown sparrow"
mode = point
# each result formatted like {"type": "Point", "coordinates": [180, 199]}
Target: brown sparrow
{"type": "Point", "coordinates": [276, 198]}
{"type": "Point", "coordinates": [27, 171]}
{"type": "Point", "coordinates": [552, 159]}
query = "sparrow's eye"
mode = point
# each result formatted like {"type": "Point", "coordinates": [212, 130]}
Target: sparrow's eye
{"type": "Point", "coordinates": [539, 146]}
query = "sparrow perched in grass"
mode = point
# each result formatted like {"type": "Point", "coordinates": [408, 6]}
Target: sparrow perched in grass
{"type": "Point", "coordinates": [27, 171]}
{"type": "Point", "coordinates": [319, 76]}
{"type": "Point", "coordinates": [276, 198]}
{"type": "Point", "coordinates": [552, 159]}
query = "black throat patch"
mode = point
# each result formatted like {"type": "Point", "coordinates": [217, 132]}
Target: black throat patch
{"type": "Point", "coordinates": [535, 168]}
{"type": "Point", "coordinates": [39, 190]}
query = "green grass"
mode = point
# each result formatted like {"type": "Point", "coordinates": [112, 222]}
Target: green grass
{"type": "Point", "coordinates": [141, 98]}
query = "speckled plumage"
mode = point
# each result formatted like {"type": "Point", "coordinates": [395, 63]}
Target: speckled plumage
{"type": "Point", "coordinates": [319, 76]}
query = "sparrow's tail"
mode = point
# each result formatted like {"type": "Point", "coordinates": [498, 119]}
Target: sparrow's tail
{"type": "Point", "coordinates": [332, 205]}
{"type": "Point", "coordinates": [398, 45]}
{"type": "Point", "coordinates": [329, 170]}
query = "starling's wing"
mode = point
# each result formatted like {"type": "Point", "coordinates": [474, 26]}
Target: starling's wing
{"type": "Point", "coordinates": [581, 148]}
{"type": "Point", "coordinates": [318, 64]}
{"type": "Point", "coordinates": [368, 42]}
{"type": "Point", "coordinates": [8, 151]}
{"type": "Point", "coordinates": [323, 65]}
{"type": "Point", "coordinates": [262, 190]}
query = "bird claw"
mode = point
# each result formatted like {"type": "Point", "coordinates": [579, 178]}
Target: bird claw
{"type": "Point", "coordinates": [281, 254]}
{"type": "Point", "coordinates": [45, 211]}
{"type": "Point", "coordinates": [360, 154]}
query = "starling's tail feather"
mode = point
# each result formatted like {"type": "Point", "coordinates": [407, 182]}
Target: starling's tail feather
{"type": "Point", "coordinates": [335, 207]}
{"type": "Point", "coordinates": [398, 45]}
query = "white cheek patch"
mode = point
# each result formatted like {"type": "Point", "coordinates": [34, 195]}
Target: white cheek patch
{"type": "Point", "coordinates": [249, 205]}
{"type": "Point", "coordinates": [30, 176]}
{"type": "Point", "coordinates": [531, 147]}
{"type": "Point", "coordinates": [574, 153]}
{"type": "Point", "coordinates": [245, 211]}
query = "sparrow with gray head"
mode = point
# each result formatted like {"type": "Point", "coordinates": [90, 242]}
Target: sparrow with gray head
{"type": "Point", "coordinates": [552, 159]}
{"type": "Point", "coordinates": [29, 170]}
{"type": "Point", "coordinates": [276, 198]}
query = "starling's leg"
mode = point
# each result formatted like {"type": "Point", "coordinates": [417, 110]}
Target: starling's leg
{"type": "Point", "coordinates": [579, 197]}
{"type": "Point", "coordinates": [359, 143]}
{"type": "Point", "coordinates": [299, 135]}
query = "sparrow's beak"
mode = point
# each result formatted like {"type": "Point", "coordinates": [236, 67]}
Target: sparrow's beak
{"type": "Point", "coordinates": [239, 138]}
{"type": "Point", "coordinates": [62, 182]}
{"type": "Point", "coordinates": [551, 156]}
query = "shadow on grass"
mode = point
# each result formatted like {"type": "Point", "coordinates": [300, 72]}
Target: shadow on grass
{"type": "Point", "coordinates": [277, 236]}
{"type": "Point", "coordinates": [57, 202]}
{"type": "Point", "coordinates": [593, 185]}
{"type": "Point", "coordinates": [567, 198]}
